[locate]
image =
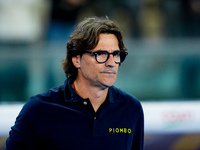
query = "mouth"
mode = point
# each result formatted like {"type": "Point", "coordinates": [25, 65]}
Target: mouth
{"type": "Point", "coordinates": [109, 72]}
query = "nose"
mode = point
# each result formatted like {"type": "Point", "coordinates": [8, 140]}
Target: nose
{"type": "Point", "coordinates": [110, 62]}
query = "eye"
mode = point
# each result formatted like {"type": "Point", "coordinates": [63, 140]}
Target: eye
{"type": "Point", "coordinates": [102, 53]}
{"type": "Point", "coordinates": [116, 53]}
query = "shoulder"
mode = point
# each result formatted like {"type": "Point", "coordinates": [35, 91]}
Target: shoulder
{"type": "Point", "coordinates": [53, 95]}
{"type": "Point", "coordinates": [37, 103]}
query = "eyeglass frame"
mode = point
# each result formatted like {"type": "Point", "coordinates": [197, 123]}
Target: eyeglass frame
{"type": "Point", "coordinates": [96, 53]}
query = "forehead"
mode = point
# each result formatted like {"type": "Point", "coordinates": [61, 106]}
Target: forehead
{"type": "Point", "coordinates": [107, 42]}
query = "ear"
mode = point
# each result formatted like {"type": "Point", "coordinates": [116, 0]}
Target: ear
{"type": "Point", "coordinates": [76, 61]}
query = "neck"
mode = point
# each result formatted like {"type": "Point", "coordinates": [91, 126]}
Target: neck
{"type": "Point", "coordinates": [95, 94]}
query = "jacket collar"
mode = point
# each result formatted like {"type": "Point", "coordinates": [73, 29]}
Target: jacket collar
{"type": "Point", "coordinates": [72, 96]}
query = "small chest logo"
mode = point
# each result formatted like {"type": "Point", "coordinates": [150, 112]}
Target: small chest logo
{"type": "Point", "coordinates": [120, 130]}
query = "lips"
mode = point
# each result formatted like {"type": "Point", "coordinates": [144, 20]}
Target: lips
{"type": "Point", "coordinates": [109, 72]}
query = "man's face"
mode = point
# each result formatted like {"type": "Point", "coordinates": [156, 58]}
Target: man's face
{"type": "Point", "coordinates": [99, 74]}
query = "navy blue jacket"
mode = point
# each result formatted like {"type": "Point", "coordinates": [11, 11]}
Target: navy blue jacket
{"type": "Point", "coordinates": [60, 119]}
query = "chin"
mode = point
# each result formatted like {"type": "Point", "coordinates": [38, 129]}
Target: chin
{"type": "Point", "coordinates": [109, 83]}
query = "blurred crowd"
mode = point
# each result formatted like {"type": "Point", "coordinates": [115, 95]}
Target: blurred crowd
{"type": "Point", "coordinates": [46, 20]}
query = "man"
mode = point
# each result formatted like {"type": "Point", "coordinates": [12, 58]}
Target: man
{"type": "Point", "coordinates": [87, 112]}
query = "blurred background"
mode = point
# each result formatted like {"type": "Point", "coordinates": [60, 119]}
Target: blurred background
{"type": "Point", "coordinates": [162, 69]}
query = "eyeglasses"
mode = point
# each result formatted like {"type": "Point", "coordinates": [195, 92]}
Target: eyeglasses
{"type": "Point", "coordinates": [102, 56]}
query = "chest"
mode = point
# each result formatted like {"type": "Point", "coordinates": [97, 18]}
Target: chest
{"type": "Point", "coordinates": [78, 127]}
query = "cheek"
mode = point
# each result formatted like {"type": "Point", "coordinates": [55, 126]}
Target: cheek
{"type": "Point", "coordinates": [89, 67]}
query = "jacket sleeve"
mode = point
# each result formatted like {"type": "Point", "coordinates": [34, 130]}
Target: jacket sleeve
{"type": "Point", "coordinates": [24, 134]}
